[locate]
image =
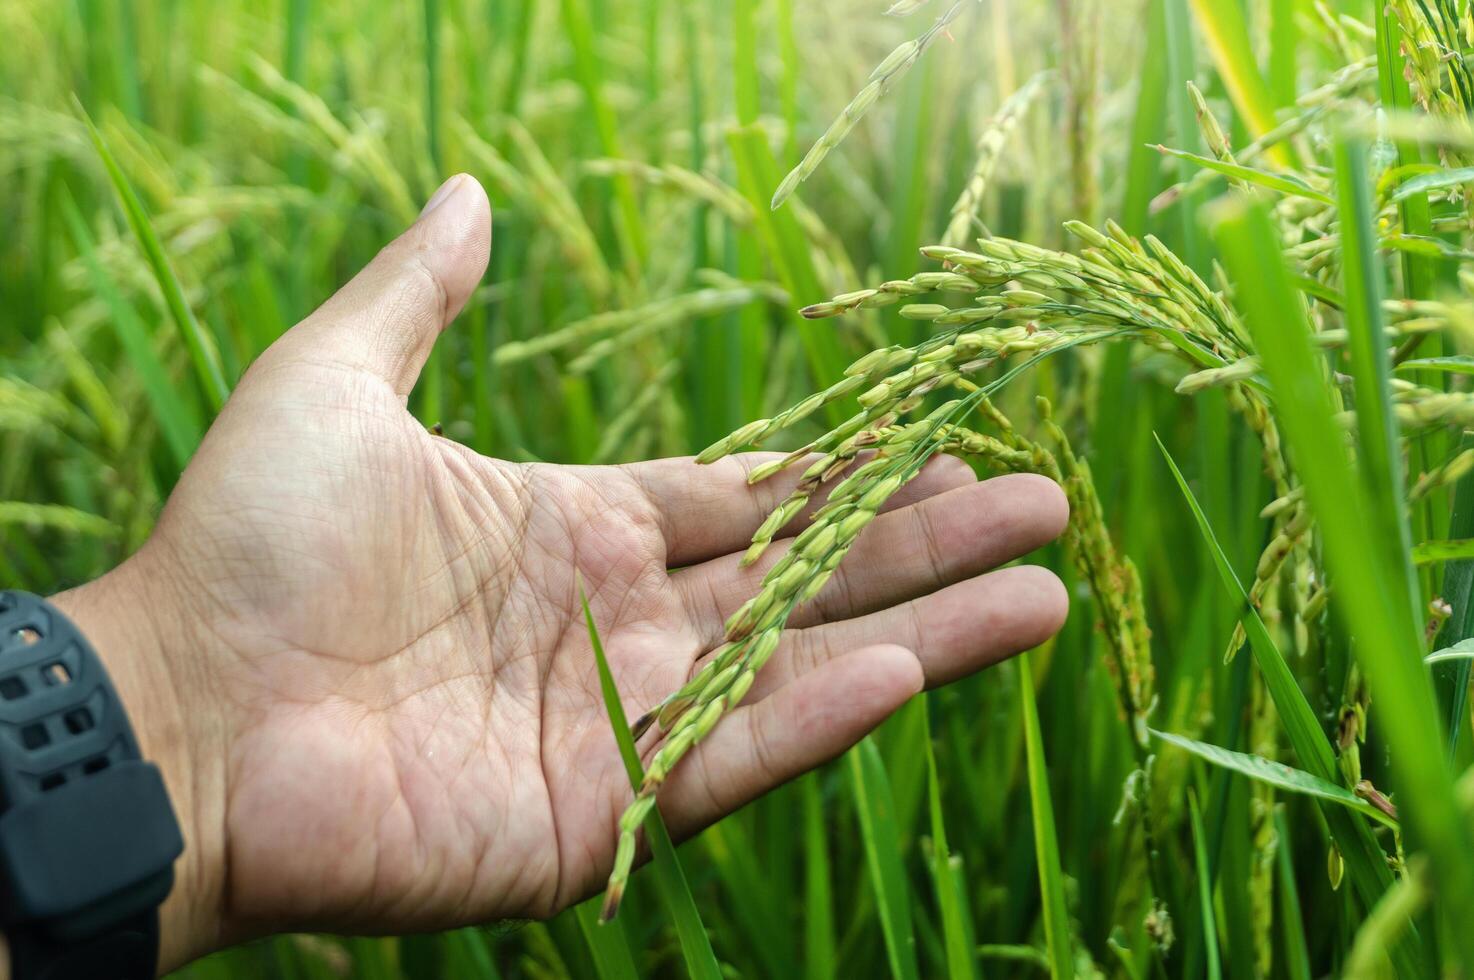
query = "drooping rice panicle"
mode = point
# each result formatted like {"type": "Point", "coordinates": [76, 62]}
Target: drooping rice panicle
{"type": "Point", "coordinates": [753, 632]}
{"type": "Point", "coordinates": [698, 186]}
{"type": "Point", "coordinates": [989, 146]}
{"type": "Point", "coordinates": [904, 8]}
{"type": "Point", "coordinates": [600, 333]}
{"type": "Point", "coordinates": [886, 74]}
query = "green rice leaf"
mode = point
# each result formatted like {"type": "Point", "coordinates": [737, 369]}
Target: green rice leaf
{"type": "Point", "coordinates": [696, 949]}
{"type": "Point", "coordinates": [1284, 44]}
{"type": "Point", "coordinates": [1276, 774]}
{"type": "Point", "coordinates": [1452, 364]}
{"type": "Point", "coordinates": [1462, 650]}
{"type": "Point", "coordinates": [467, 953]}
{"type": "Point", "coordinates": [1387, 923]}
{"type": "Point", "coordinates": [1281, 183]}
{"type": "Point", "coordinates": [1205, 886]}
{"type": "Point", "coordinates": [1224, 28]}
{"type": "Point", "coordinates": [1046, 841]}
{"type": "Point", "coordinates": [1380, 454]}
{"type": "Point", "coordinates": [876, 810]}
{"type": "Point", "coordinates": [1430, 552]}
{"type": "Point", "coordinates": [1291, 922]}
{"type": "Point", "coordinates": [961, 961]}
{"type": "Point", "coordinates": [177, 419]}
{"type": "Point", "coordinates": [1435, 180]}
{"type": "Point", "coordinates": [589, 67]}
{"type": "Point", "coordinates": [819, 952]}
{"type": "Point", "coordinates": [1452, 679]}
{"type": "Point", "coordinates": [607, 943]}
{"type": "Point", "coordinates": [201, 346]}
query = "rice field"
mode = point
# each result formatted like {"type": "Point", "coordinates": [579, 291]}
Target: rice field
{"type": "Point", "coordinates": [1204, 263]}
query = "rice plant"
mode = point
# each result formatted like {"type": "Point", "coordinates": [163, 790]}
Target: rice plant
{"type": "Point", "coordinates": [1201, 262]}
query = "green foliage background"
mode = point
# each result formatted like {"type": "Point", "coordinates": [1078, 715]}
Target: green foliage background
{"type": "Point", "coordinates": [276, 146]}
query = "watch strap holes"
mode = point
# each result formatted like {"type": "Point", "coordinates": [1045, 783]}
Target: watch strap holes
{"type": "Point", "coordinates": [56, 674]}
{"type": "Point", "coordinates": [79, 720]}
{"type": "Point", "coordinates": [96, 765]}
{"type": "Point", "coordinates": [52, 780]}
{"type": "Point", "coordinates": [12, 688]}
{"type": "Point", "coordinates": [35, 736]}
{"type": "Point", "coordinates": [20, 637]}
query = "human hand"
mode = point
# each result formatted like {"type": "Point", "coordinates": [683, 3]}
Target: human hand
{"type": "Point", "coordinates": [356, 650]}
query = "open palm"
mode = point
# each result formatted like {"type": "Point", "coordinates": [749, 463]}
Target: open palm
{"type": "Point", "coordinates": [384, 631]}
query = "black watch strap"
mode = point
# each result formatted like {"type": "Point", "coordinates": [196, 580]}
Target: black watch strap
{"type": "Point", "coordinates": [87, 836]}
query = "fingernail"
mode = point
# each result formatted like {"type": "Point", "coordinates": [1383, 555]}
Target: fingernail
{"type": "Point", "coordinates": [443, 193]}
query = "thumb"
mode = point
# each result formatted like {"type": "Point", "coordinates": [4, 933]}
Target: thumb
{"type": "Point", "coordinates": [385, 321]}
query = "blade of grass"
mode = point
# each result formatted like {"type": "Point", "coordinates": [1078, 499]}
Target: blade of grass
{"type": "Point", "coordinates": [819, 956]}
{"type": "Point", "coordinates": [1432, 552]}
{"type": "Point", "coordinates": [1182, 68]}
{"type": "Point", "coordinates": [914, 183]}
{"type": "Point", "coordinates": [1227, 35]}
{"type": "Point", "coordinates": [1388, 643]}
{"type": "Point", "coordinates": [430, 392]}
{"type": "Point", "coordinates": [201, 347]}
{"type": "Point", "coordinates": [1434, 180]}
{"type": "Point", "coordinates": [607, 943]}
{"type": "Point", "coordinates": [1368, 957]}
{"type": "Point", "coordinates": [1205, 889]}
{"type": "Point", "coordinates": [1452, 681]}
{"type": "Point", "coordinates": [1046, 844]}
{"type": "Point", "coordinates": [629, 223]}
{"type": "Point", "coordinates": [961, 961]}
{"type": "Point", "coordinates": [761, 925]}
{"type": "Point", "coordinates": [788, 99]}
{"type": "Point", "coordinates": [757, 173]}
{"type": "Point", "coordinates": [467, 953]}
{"type": "Point", "coordinates": [1143, 170]}
{"type": "Point", "coordinates": [1281, 183]}
{"type": "Point", "coordinates": [1276, 774]}
{"type": "Point", "coordinates": [878, 827]}
{"type": "Point", "coordinates": [1292, 924]}
{"type": "Point", "coordinates": [696, 949]}
{"type": "Point", "coordinates": [1453, 364]}
{"type": "Point", "coordinates": [747, 351]}
{"type": "Point", "coordinates": [176, 417]}
{"type": "Point", "coordinates": [1380, 459]}
{"type": "Point", "coordinates": [521, 33]}
{"type": "Point", "coordinates": [1420, 272]}
{"type": "Point", "coordinates": [1284, 50]}
{"type": "Point", "coordinates": [1463, 650]}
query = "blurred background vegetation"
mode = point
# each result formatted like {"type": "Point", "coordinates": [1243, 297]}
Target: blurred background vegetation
{"type": "Point", "coordinates": [631, 148]}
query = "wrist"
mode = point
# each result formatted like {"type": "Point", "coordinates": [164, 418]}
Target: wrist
{"type": "Point", "coordinates": [143, 641]}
